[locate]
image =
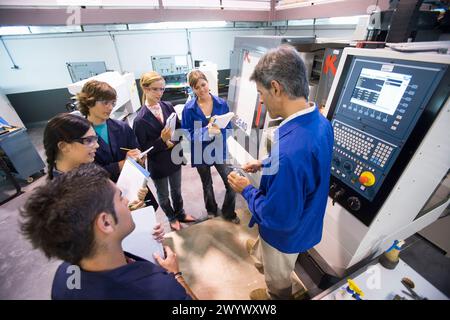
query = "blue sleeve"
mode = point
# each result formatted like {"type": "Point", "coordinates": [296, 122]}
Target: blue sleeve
{"type": "Point", "coordinates": [195, 134]}
{"type": "Point", "coordinates": [273, 209]}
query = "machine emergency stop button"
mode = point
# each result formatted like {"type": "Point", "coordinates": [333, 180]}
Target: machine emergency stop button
{"type": "Point", "coordinates": [367, 179]}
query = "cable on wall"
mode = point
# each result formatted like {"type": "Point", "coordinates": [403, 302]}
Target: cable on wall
{"type": "Point", "coordinates": [14, 65]}
{"type": "Point", "coordinates": [113, 38]}
{"type": "Point", "coordinates": [189, 53]}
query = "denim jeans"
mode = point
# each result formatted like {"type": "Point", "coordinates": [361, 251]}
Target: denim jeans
{"type": "Point", "coordinates": [229, 202]}
{"type": "Point", "coordinates": [162, 190]}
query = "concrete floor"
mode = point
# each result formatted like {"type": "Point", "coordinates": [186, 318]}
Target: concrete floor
{"type": "Point", "coordinates": [211, 254]}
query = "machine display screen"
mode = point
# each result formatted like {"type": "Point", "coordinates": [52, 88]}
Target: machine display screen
{"type": "Point", "coordinates": [380, 90]}
{"type": "Point", "coordinates": [378, 107]}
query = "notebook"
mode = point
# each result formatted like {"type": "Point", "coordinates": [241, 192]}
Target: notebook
{"type": "Point", "coordinates": [171, 122]}
{"type": "Point", "coordinates": [140, 242]}
{"type": "Point", "coordinates": [222, 120]}
{"type": "Point", "coordinates": [132, 178]}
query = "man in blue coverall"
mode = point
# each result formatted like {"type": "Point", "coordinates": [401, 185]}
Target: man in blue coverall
{"type": "Point", "coordinates": [289, 204]}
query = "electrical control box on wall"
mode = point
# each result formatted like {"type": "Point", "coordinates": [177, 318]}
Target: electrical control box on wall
{"type": "Point", "coordinates": [170, 65]}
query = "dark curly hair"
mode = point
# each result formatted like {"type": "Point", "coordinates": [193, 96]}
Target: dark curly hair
{"type": "Point", "coordinates": [92, 92]}
{"type": "Point", "coordinates": [63, 127]}
{"type": "Point", "coordinates": [59, 216]}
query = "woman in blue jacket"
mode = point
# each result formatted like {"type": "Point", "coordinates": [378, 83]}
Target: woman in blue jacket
{"type": "Point", "coordinates": [149, 127]}
{"type": "Point", "coordinates": [96, 102]}
{"type": "Point", "coordinates": [206, 139]}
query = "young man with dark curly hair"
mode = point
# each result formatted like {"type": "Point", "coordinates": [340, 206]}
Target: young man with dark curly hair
{"type": "Point", "coordinates": [63, 220]}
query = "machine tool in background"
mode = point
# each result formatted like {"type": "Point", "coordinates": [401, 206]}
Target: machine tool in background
{"type": "Point", "coordinates": [390, 113]}
{"type": "Point", "coordinates": [254, 127]}
{"type": "Point", "coordinates": [128, 101]}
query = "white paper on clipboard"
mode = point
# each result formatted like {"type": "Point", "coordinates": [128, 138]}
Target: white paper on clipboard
{"type": "Point", "coordinates": [131, 179]}
{"type": "Point", "coordinates": [140, 242]}
{"type": "Point", "coordinates": [222, 120]}
{"type": "Point", "coordinates": [171, 122]}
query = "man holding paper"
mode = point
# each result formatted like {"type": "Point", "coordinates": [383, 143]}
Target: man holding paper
{"type": "Point", "coordinates": [289, 204]}
{"type": "Point", "coordinates": [154, 126]}
{"type": "Point", "coordinates": [61, 219]}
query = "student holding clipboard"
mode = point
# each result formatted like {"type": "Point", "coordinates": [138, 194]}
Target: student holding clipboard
{"type": "Point", "coordinates": [96, 102]}
{"type": "Point", "coordinates": [69, 142]}
{"type": "Point", "coordinates": [199, 119]}
{"type": "Point", "coordinates": [151, 130]}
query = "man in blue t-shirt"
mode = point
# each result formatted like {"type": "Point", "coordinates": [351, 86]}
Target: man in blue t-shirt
{"type": "Point", "coordinates": [63, 220]}
{"type": "Point", "coordinates": [289, 205]}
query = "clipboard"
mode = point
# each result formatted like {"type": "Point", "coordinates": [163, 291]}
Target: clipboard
{"type": "Point", "coordinates": [171, 123]}
{"type": "Point", "coordinates": [222, 120]}
{"type": "Point", "coordinates": [132, 178]}
{"type": "Point", "coordinates": [140, 242]}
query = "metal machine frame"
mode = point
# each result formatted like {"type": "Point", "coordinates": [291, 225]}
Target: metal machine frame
{"type": "Point", "coordinates": [424, 161]}
{"type": "Point", "coordinates": [128, 101]}
{"type": "Point", "coordinates": [243, 147]}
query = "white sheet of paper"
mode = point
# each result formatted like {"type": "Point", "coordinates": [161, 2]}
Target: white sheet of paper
{"type": "Point", "coordinates": [140, 242]}
{"type": "Point", "coordinates": [223, 119]}
{"type": "Point", "coordinates": [131, 179]}
{"type": "Point", "coordinates": [171, 122]}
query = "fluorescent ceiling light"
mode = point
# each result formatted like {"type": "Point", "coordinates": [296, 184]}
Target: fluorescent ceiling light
{"type": "Point", "coordinates": [78, 3]}
{"type": "Point", "coordinates": [226, 4]}
{"type": "Point", "coordinates": [304, 22]}
{"type": "Point", "coordinates": [8, 31]}
{"type": "Point", "coordinates": [55, 29]}
{"type": "Point", "coordinates": [340, 20]}
{"type": "Point", "coordinates": [178, 25]}
{"type": "Point", "coordinates": [327, 21]}
{"type": "Point", "coordinates": [287, 4]}
{"type": "Point", "coordinates": [105, 27]}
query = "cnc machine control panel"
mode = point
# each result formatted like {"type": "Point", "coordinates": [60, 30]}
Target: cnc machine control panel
{"type": "Point", "coordinates": [378, 104]}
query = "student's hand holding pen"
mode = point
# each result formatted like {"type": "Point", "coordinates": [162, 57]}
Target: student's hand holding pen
{"type": "Point", "coordinates": [142, 160]}
{"type": "Point", "coordinates": [134, 154]}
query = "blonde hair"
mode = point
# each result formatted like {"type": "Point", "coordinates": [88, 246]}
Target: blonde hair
{"type": "Point", "coordinates": [147, 79]}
